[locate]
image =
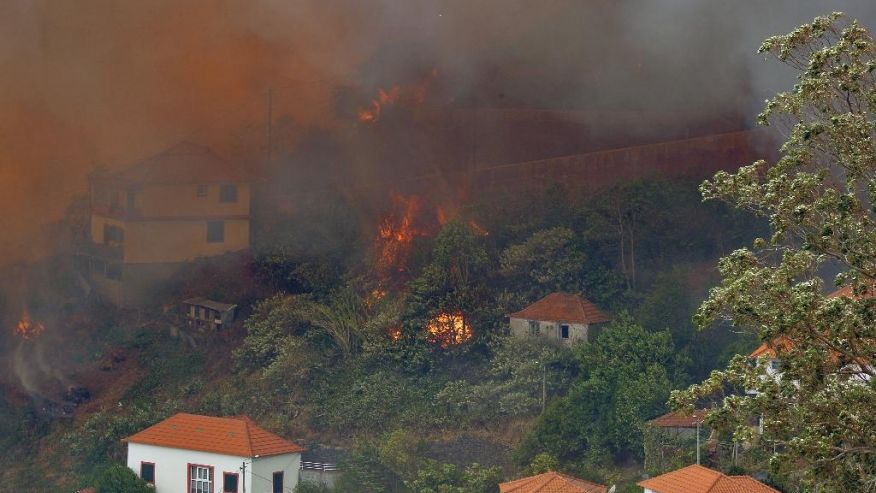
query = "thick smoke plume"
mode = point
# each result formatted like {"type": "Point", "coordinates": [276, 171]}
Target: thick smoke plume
{"type": "Point", "coordinates": [101, 82]}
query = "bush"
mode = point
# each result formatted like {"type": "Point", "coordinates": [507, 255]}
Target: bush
{"type": "Point", "coordinates": [119, 479]}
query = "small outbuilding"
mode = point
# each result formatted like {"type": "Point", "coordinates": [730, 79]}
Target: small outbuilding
{"type": "Point", "coordinates": [563, 317]}
{"type": "Point", "coordinates": [203, 312]}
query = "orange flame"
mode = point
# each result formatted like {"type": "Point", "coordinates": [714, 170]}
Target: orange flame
{"type": "Point", "coordinates": [413, 95]}
{"type": "Point", "coordinates": [395, 234]}
{"type": "Point", "coordinates": [449, 329]}
{"type": "Point", "coordinates": [394, 333]}
{"type": "Point", "coordinates": [26, 329]}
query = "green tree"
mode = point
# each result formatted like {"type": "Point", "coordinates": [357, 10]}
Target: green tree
{"type": "Point", "coordinates": [627, 373]}
{"type": "Point", "coordinates": [818, 197]}
{"type": "Point", "coordinates": [453, 282]}
{"type": "Point", "coordinates": [119, 479]}
{"type": "Point", "coordinates": [549, 260]}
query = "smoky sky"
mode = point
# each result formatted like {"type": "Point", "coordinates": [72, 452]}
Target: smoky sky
{"type": "Point", "coordinates": [101, 82]}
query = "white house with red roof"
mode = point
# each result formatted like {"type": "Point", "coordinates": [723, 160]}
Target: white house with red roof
{"type": "Point", "coordinates": [205, 454]}
{"type": "Point", "coordinates": [562, 317]}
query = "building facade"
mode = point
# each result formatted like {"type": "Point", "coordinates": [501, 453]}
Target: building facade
{"type": "Point", "coordinates": [149, 219]}
{"type": "Point", "coordinates": [204, 454]}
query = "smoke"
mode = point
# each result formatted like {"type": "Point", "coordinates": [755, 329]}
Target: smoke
{"type": "Point", "coordinates": [101, 82]}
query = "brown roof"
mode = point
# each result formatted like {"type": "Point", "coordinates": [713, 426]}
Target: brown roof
{"type": "Point", "coordinates": [699, 479]}
{"type": "Point", "coordinates": [238, 435]}
{"type": "Point", "coordinates": [563, 307]}
{"type": "Point", "coordinates": [680, 420]}
{"type": "Point", "coordinates": [183, 163]}
{"type": "Point", "coordinates": [551, 482]}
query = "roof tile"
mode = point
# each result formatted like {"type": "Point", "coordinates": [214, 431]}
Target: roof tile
{"type": "Point", "coordinates": [239, 436]}
{"type": "Point", "coordinates": [699, 479]}
{"type": "Point", "coordinates": [551, 482]}
{"type": "Point", "coordinates": [563, 307]}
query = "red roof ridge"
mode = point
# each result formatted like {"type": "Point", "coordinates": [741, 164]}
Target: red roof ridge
{"type": "Point", "coordinates": [547, 483]}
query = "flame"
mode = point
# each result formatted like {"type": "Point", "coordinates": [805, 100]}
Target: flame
{"type": "Point", "coordinates": [449, 329]}
{"type": "Point", "coordinates": [414, 95]}
{"type": "Point", "coordinates": [396, 233]}
{"type": "Point", "coordinates": [394, 333]}
{"type": "Point", "coordinates": [26, 329]}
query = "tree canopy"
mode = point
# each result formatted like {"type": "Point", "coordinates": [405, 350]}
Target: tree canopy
{"type": "Point", "coordinates": [819, 199]}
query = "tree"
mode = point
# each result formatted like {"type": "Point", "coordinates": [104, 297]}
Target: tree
{"type": "Point", "coordinates": [627, 373]}
{"type": "Point", "coordinates": [819, 199]}
{"type": "Point", "coordinates": [549, 260]}
{"type": "Point", "coordinates": [119, 479]}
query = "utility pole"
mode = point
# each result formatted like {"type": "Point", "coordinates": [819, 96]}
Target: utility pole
{"type": "Point", "coordinates": [543, 386]}
{"type": "Point", "coordinates": [698, 443]}
{"type": "Point", "coordinates": [243, 475]}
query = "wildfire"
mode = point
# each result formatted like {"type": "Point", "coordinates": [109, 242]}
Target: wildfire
{"type": "Point", "coordinates": [449, 329]}
{"type": "Point", "coordinates": [27, 329]}
{"type": "Point", "coordinates": [397, 232]}
{"type": "Point", "coordinates": [414, 95]}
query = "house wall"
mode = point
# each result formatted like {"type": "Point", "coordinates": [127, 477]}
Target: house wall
{"type": "Point", "coordinates": [550, 330]}
{"type": "Point", "coordinates": [263, 469]}
{"type": "Point", "coordinates": [180, 240]}
{"type": "Point", "coordinates": [97, 224]}
{"type": "Point", "coordinates": [181, 200]}
{"type": "Point", "coordinates": [171, 466]}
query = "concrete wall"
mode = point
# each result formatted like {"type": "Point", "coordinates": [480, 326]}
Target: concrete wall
{"type": "Point", "coordinates": [171, 466]}
{"type": "Point", "coordinates": [550, 330]}
{"type": "Point", "coordinates": [263, 469]}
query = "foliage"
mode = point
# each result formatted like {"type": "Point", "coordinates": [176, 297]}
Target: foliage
{"type": "Point", "coordinates": [313, 487]}
{"type": "Point", "coordinates": [435, 477]}
{"type": "Point", "coordinates": [542, 463]}
{"type": "Point", "coordinates": [627, 373]}
{"type": "Point", "coordinates": [819, 200]}
{"type": "Point", "coordinates": [513, 387]}
{"type": "Point", "coordinates": [452, 282]}
{"type": "Point", "coordinates": [117, 478]}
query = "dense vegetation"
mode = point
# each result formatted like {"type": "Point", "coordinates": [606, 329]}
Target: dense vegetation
{"type": "Point", "coordinates": [334, 349]}
{"type": "Point", "coordinates": [340, 349]}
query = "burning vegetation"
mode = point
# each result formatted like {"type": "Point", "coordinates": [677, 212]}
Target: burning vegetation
{"type": "Point", "coordinates": [449, 329]}
{"type": "Point", "coordinates": [26, 328]}
{"type": "Point", "coordinates": [411, 95]}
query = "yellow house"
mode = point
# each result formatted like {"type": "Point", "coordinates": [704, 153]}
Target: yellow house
{"type": "Point", "coordinates": [150, 218]}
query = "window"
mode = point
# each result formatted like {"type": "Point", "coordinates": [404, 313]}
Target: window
{"type": "Point", "coordinates": [229, 482]}
{"type": "Point", "coordinates": [202, 190]}
{"type": "Point", "coordinates": [200, 479]}
{"type": "Point", "coordinates": [534, 328]}
{"type": "Point", "coordinates": [215, 231]}
{"type": "Point", "coordinates": [113, 235]}
{"type": "Point", "coordinates": [278, 482]}
{"type": "Point", "coordinates": [228, 193]}
{"type": "Point", "coordinates": [564, 331]}
{"type": "Point", "coordinates": [147, 472]}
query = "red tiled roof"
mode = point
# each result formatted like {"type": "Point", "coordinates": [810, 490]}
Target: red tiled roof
{"type": "Point", "coordinates": [563, 307]}
{"type": "Point", "coordinates": [238, 436]}
{"type": "Point", "coordinates": [679, 420]}
{"type": "Point", "coordinates": [551, 482]}
{"type": "Point", "coordinates": [699, 479]}
{"type": "Point", "coordinates": [183, 163]}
